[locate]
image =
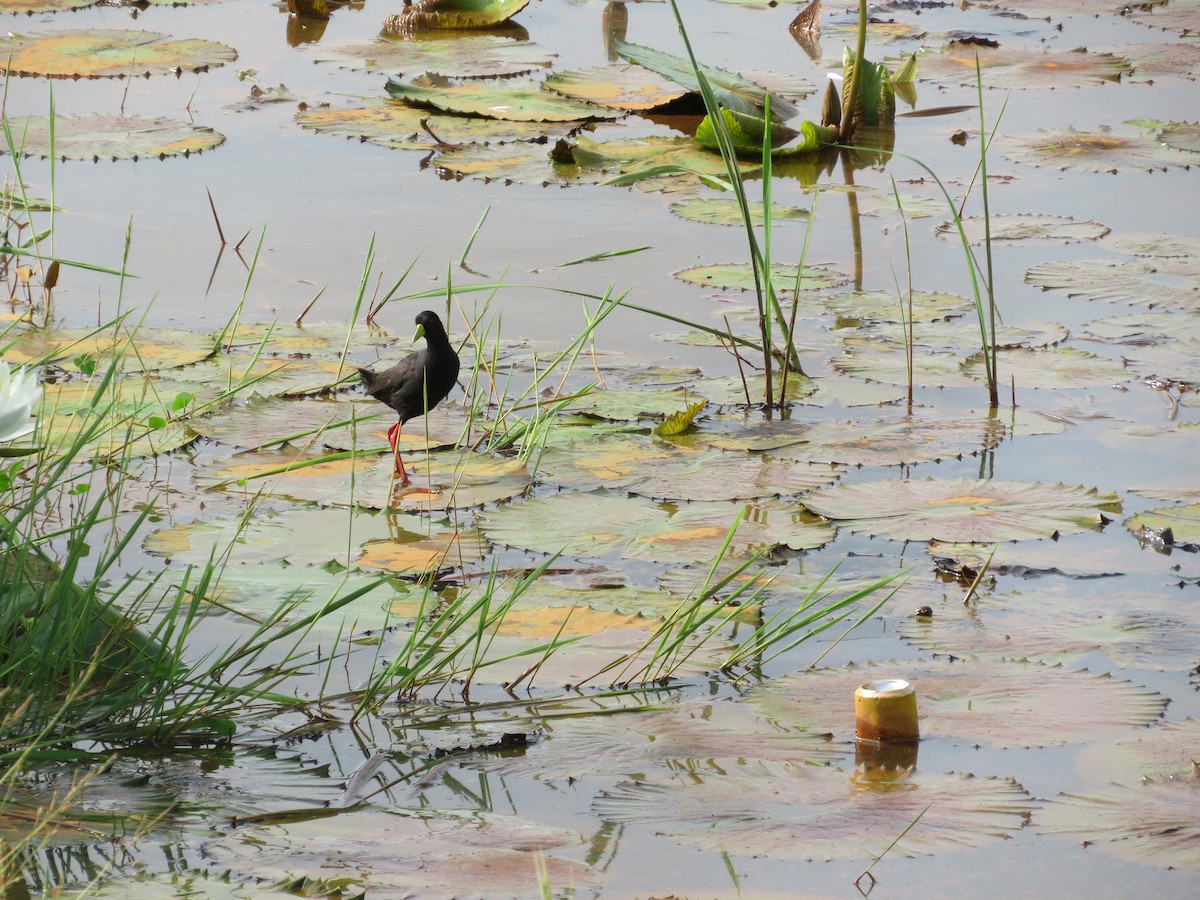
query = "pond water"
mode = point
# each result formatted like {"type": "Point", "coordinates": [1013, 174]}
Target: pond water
{"type": "Point", "coordinates": [1068, 679]}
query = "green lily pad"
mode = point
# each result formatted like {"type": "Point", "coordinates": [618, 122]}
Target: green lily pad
{"type": "Point", "coordinates": [889, 363]}
{"type": "Point", "coordinates": [263, 420]}
{"type": "Point", "coordinates": [464, 56]}
{"type": "Point", "coordinates": [108, 53]}
{"type": "Point", "coordinates": [912, 206]}
{"type": "Point", "coordinates": [419, 15]}
{"type": "Point", "coordinates": [589, 525]}
{"type": "Point", "coordinates": [1005, 704]}
{"type": "Point", "coordinates": [33, 7]}
{"type": "Point", "coordinates": [1101, 150]}
{"type": "Point", "coordinates": [1021, 68]}
{"type": "Point", "coordinates": [141, 350]}
{"type": "Point", "coordinates": [886, 306]}
{"type": "Point", "coordinates": [802, 812]}
{"type": "Point", "coordinates": [740, 277]}
{"type": "Point", "coordinates": [111, 137]}
{"type": "Point", "coordinates": [1147, 328]}
{"type": "Point", "coordinates": [1114, 280]}
{"type": "Point", "coordinates": [960, 509]}
{"type": "Point", "coordinates": [670, 470]}
{"type": "Point", "coordinates": [495, 99]}
{"type": "Point", "coordinates": [522, 163]}
{"type": "Point", "coordinates": [1019, 227]}
{"type": "Point", "coordinates": [395, 125]}
{"type": "Point", "coordinates": [961, 335]}
{"type": "Point", "coordinates": [623, 87]}
{"type": "Point", "coordinates": [1184, 521]}
{"type": "Point", "coordinates": [630, 406]}
{"type": "Point", "coordinates": [724, 211]}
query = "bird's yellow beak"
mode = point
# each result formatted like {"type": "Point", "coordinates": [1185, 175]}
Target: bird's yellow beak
{"type": "Point", "coordinates": [419, 333]}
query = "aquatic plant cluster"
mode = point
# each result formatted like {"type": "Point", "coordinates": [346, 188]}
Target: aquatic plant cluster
{"type": "Point", "coordinates": [936, 421]}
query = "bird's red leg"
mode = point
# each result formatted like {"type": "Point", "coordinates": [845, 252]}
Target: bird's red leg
{"type": "Point", "coordinates": [393, 439]}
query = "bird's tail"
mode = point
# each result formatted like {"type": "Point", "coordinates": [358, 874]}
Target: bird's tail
{"type": "Point", "coordinates": [368, 378]}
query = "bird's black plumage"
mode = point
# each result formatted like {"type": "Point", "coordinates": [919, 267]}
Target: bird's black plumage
{"type": "Point", "coordinates": [421, 380]}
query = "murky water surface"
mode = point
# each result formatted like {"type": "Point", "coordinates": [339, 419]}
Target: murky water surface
{"type": "Point", "coordinates": [731, 786]}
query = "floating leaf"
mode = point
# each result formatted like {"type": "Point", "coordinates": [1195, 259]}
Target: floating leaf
{"type": "Point", "coordinates": [1125, 281]}
{"type": "Point", "coordinates": [740, 277]}
{"type": "Point", "coordinates": [1021, 68]}
{"type": "Point", "coordinates": [668, 470]}
{"type": "Point", "coordinates": [99, 137]}
{"type": "Point", "coordinates": [108, 53]}
{"type": "Point", "coordinates": [1164, 750]}
{"type": "Point", "coordinates": [1151, 61]}
{"type": "Point", "coordinates": [1006, 704]}
{"type": "Point", "coordinates": [802, 812]}
{"type": "Point", "coordinates": [724, 211]}
{"type": "Point", "coordinates": [889, 441]}
{"type": "Point", "coordinates": [629, 406]}
{"type": "Point", "coordinates": [1058, 367]}
{"type": "Point", "coordinates": [1154, 822]}
{"type": "Point", "coordinates": [679, 422]}
{"type": "Point", "coordinates": [1018, 227]}
{"type": "Point", "coordinates": [1091, 151]}
{"type": "Point", "coordinates": [1184, 521]}
{"type": "Point", "coordinates": [142, 350]}
{"type": "Point", "coordinates": [597, 525]}
{"type": "Point", "coordinates": [960, 509]}
{"type": "Point", "coordinates": [464, 56]}
{"type": "Point", "coordinates": [453, 14]}
{"type": "Point", "coordinates": [1147, 328]}
{"type": "Point", "coordinates": [731, 89]}
{"type": "Point", "coordinates": [497, 99]}
{"type": "Point", "coordinates": [525, 163]}
{"type": "Point", "coordinates": [622, 87]}
{"type": "Point", "coordinates": [747, 133]}
{"type": "Point", "coordinates": [886, 306]}
{"type": "Point", "coordinates": [890, 364]}
{"type": "Point", "coordinates": [395, 125]}
{"type": "Point", "coordinates": [33, 7]}
{"type": "Point", "coordinates": [1182, 136]}
{"type": "Point", "coordinates": [1178, 15]}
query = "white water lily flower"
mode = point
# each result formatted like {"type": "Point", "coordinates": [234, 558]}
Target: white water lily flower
{"type": "Point", "coordinates": [19, 392]}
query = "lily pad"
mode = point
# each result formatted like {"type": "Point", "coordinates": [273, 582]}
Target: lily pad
{"type": "Point", "coordinates": [886, 306]}
{"type": "Point", "coordinates": [1005, 704]}
{"type": "Point", "coordinates": [723, 211]}
{"type": "Point", "coordinates": [1151, 823]}
{"type": "Point", "coordinates": [454, 15]}
{"type": "Point", "coordinates": [590, 525]}
{"type": "Point", "coordinates": [1026, 226]}
{"type": "Point", "coordinates": [888, 441]}
{"type": "Point", "coordinates": [1101, 150]}
{"type": "Point", "coordinates": [960, 509]}
{"type": "Point", "coordinates": [1165, 750]}
{"type": "Point", "coordinates": [108, 53]}
{"type": "Point", "coordinates": [1112, 280]}
{"type": "Point", "coordinates": [1021, 68]}
{"type": "Point", "coordinates": [671, 470]}
{"type": "Point", "coordinates": [497, 99]}
{"type": "Point", "coordinates": [396, 125]}
{"type": "Point", "coordinates": [33, 7]}
{"type": "Point", "coordinates": [630, 406]}
{"type": "Point", "coordinates": [1151, 61]}
{"type": "Point", "coordinates": [141, 350]}
{"type": "Point", "coordinates": [523, 163]}
{"type": "Point", "coordinates": [464, 56]}
{"type": "Point", "coordinates": [1057, 367]}
{"type": "Point", "coordinates": [890, 364]}
{"type": "Point", "coordinates": [99, 137]}
{"type": "Point", "coordinates": [1178, 15]}
{"type": "Point", "coordinates": [740, 277]}
{"type": "Point", "coordinates": [1147, 328]}
{"type": "Point", "coordinates": [1184, 521]}
{"type": "Point", "coordinates": [622, 87]}
{"type": "Point", "coordinates": [799, 812]}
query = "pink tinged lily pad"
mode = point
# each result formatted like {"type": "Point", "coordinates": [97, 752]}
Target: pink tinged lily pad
{"type": "Point", "coordinates": [961, 509]}
{"type": "Point", "coordinates": [1178, 15]}
{"type": "Point", "coordinates": [1004, 704]}
{"type": "Point", "coordinates": [33, 7]}
{"type": "Point", "coordinates": [108, 53]}
{"type": "Point", "coordinates": [1168, 749]}
{"type": "Point", "coordinates": [1026, 226]}
{"type": "Point", "coordinates": [1052, 624]}
{"type": "Point", "coordinates": [1115, 281]}
{"type": "Point", "coordinates": [1020, 68]}
{"type": "Point", "coordinates": [590, 525]}
{"type": "Point", "coordinates": [1182, 136]}
{"type": "Point", "coordinates": [793, 812]}
{"type": "Point", "coordinates": [1101, 150]}
{"type": "Point", "coordinates": [99, 137]}
{"type": "Point", "coordinates": [1152, 61]}
{"type": "Point", "coordinates": [1154, 822]}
